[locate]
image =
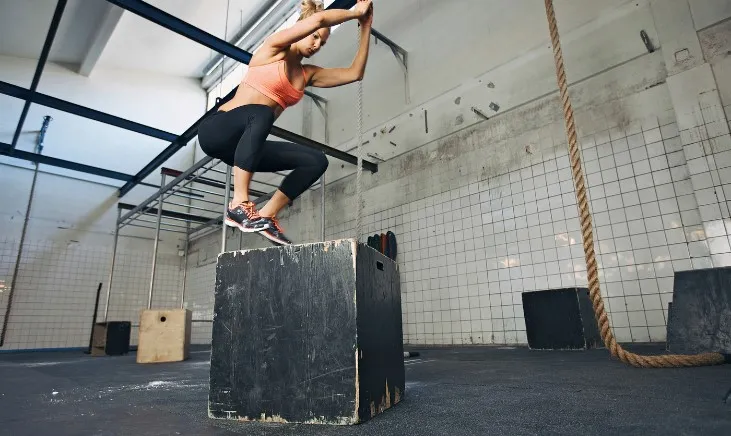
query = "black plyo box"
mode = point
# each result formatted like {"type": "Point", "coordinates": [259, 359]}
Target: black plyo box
{"type": "Point", "coordinates": [700, 318]}
{"type": "Point", "coordinates": [306, 334]}
{"type": "Point", "coordinates": [560, 319]}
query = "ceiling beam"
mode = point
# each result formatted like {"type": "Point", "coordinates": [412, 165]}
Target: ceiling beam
{"type": "Point", "coordinates": [103, 33]}
{"type": "Point", "coordinates": [50, 36]}
{"type": "Point", "coordinates": [82, 111]}
{"type": "Point", "coordinates": [5, 150]}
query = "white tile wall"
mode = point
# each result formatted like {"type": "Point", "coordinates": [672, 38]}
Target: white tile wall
{"type": "Point", "coordinates": [467, 254]}
{"type": "Point", "coordinates": [53, 303]}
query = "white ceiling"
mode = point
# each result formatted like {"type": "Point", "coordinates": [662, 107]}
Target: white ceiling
{"type": "Point", "coordinates": [135, 44]}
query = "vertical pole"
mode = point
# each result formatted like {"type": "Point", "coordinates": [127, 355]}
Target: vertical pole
{"type": "Point", "coordinates": [16, 270]}
{"type": "Point", "coordinates": [322, 208]}
{"type": "Point", "coordinates": [157, 243]}
{"type": "Point", "coordinates": [185, 269]}
{"type": "Point", "coordinates": [227, 198]}
{"type": "Point", "coordinates": [93, 319]}
{"type": "Point", "coordinates": [14, 280]}
{"type": "Point", "coordinates": [111, 267]}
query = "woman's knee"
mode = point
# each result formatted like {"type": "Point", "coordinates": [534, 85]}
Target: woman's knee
{"type": "Point", "coordinates": [321, 162]}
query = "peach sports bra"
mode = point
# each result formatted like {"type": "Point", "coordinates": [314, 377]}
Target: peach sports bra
{"type": "Point", "coordinates": [271, 80]}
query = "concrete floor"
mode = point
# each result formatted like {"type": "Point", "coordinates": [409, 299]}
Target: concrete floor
{"type": "Point", "coordinates": [474, 391]}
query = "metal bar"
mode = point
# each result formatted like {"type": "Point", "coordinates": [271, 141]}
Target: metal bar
{"type": "Point", "coordinates": [401, 55]}
{"type": "Point", "coordinates": [210, 182]}
{"type": "Point", "coordinates": [264, 12]}
{"type": "Point", "coordinates": [323, 112]}
{"type": "Point", "coordinates": [316, 97]}
{"type": "Point", "coordinates": [6, 150]}
{"type": "Point", "coordinates": [216, 194]}
{"type": "Point", "coordinates": [185, 266]}
{"type": "Point", "coordinates": [50, 36]}
{"type": "Point", "coordinates": [16, 269]}
{"type": "Point", "coordinates": [164, 187]}
{"type": "Point", "coordinates": [165, 224]}
{"type": "Point", "coordinates": [342, 4]}
{"type": "Point", "coordinates": [212, 222]}
{"type": "Point", "coordinates": [153, 228]}
{"type": "Point", "coordinates": [175, 24]}
{"type": "Point", "coordinates": [203, 235]}
{"type": "Point", "coordinates": [153, 211]}
{"type": "Point", "coordinates": [322, 207]}
{"type": "Point", "coordinates": [180, 216]}
{"type": "Point", "coordinates": [338, 154]}
{"type": "Point", "coordinates": [178, 194]}
{"type": "Point", "coordinates": [227, 198]}
{"type": "Point", "coordinates": [82, 111]}
{"type": "Point", "coordinates": [156, 245]}
{"type": "Point", "coordinates": [187, 205]}
{"type": "Point", "coordinates": [388, 41]}
{"type": "Point", "coordinates": [111, 267]}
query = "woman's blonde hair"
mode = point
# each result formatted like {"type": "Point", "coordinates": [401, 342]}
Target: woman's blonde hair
{"type": "Point", "coordinates": [309, 8]}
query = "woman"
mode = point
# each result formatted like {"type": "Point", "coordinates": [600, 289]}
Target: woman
{"type": "Point", "coordinates": [237, 132]}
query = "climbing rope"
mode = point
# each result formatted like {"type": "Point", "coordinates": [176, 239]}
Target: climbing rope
{"type": "Point", "coordinates": [359, 170]}
{"type": "Point", "coordinates": [661, 361]}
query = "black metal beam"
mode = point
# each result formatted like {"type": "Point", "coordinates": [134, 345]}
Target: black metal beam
{"type": "Point", "coordinates": [6, 150]}
{"type": "Point", "coordinates": [83, 111]}
{"type": "Point", "coordinates": [206, 181]}
{"type": "Point", "coordinates": [175, 24]}
{"type": "Point", "coordinates": [167, 213]}
{"type": "Point", "coordinates": [170, 22]}
{"type": "Point", "coordinates": [57, 14]}
{"type": "Point", "coordinates": [342, 4]}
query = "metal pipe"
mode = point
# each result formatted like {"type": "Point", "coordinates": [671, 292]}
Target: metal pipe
{"type": "Point", "coordinates": [24, 231]}
{"type": "Point", "coordinates": [202, 235]}
{"type": "Point", "coordinates": [322, 207]}
{"type": "Point", "coordinates": [227, 198]}
{"type": "Point", "coordinates": [111, 267]}
{"type": "Point", "coordinates": [187, 205]}
{"type": "Point", "coordinates": [153, 228]}
{"type": "Point", "coordinates": [167, 187]}
{"type": "Point", "coordinates": [156, 246]}
{"type": "Point", "coordinates": [185, 270]}
{"type": "Point", "coordinates": [211, 222]}
{"type": "Point", "coordinates": [217, 194]}
{"type": "Point", "coordinates": [192, 198]}
{"type": "Point", "coordinates": [166, 224]}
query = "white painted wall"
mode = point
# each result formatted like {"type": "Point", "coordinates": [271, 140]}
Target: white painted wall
{"type": "Point", "coordinates": [69, 241]}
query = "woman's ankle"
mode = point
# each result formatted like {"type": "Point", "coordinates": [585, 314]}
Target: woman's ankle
{"type": "Point", "coordinates": [235, 202]}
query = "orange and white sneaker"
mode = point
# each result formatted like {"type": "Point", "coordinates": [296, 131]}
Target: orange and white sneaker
{"type": "Point", "coordinates": [245, 218]}
{"type": "Point", "coordinates": [274, 231]}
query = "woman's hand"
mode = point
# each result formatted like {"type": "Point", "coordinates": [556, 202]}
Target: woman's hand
{"type": "Point", "coordinates": [366, 20]}
{"type": "Point", "coordinates": [364, 10]}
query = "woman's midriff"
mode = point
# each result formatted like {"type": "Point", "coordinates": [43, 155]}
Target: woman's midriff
{"type": "Point", "coordinates": [248, 95]}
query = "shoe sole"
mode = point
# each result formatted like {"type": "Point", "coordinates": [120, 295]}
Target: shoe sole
{"type": "Point", "coordinates": [274, 239]}
{"type": "Point", "coordinates": [232, 223]}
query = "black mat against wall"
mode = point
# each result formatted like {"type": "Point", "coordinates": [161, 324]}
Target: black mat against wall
{"type": "Point", "coordinates": [560, 319]}
{"type": "Point", "coordinates": [700, 317]}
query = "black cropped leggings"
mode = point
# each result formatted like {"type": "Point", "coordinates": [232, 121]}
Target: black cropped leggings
{"type": "Point", "coordinates": [239, 138]}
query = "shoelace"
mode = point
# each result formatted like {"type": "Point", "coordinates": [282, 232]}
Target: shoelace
{"type": "Point", "coordinates": [250, 209]}
{"type": "Point", "coordinates": [275, 221]}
